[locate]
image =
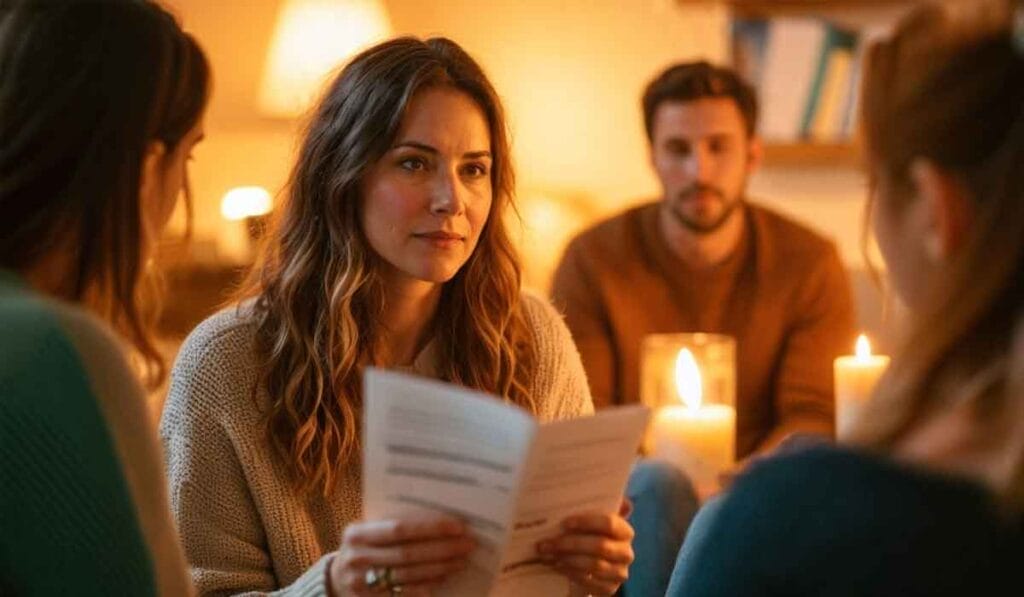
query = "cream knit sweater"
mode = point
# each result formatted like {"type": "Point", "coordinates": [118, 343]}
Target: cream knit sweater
{"type": "Point", "coordinates": [243, 529]}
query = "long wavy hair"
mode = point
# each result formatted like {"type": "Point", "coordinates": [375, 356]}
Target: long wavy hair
{"type": "Point", "coordinates": [318, 295]}
{"type": "Point", "coordinates": [949, 87]}
{"type": "Point", "coordinates": [86, 87]}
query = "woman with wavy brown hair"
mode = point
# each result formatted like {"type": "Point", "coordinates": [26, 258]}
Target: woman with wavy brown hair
{"type": "Point", "coordinates": [101, 104]}
{"type": "Point", "coordinates": [928, 498]}
{"type": "Point", "coordinates": [390, 250]}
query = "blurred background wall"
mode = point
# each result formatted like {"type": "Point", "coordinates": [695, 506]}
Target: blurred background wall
{"type": "Point", "coordinates": [570, 72]}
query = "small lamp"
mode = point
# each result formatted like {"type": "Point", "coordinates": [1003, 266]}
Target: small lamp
{"type": "Point", "coordinates": [245, 210]}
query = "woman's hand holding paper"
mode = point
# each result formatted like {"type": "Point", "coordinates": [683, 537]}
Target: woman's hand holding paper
{"type": "Point", "coordinates": [594, 551]}
{"type": "Point", "coordinates": [410, 556]}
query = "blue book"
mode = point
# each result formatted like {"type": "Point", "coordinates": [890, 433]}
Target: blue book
{"type": "Point", "coordinates": [837, 41]}
{"type": "Point", "coordinates": [749, 42]}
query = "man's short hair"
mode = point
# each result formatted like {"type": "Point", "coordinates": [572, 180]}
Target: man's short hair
{"type": "Point", "coordinates": [690, 81]}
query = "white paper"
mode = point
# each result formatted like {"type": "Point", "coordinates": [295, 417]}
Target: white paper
{"type": "Point", "coordinates": [576, 466]}
{"type": "Point", "coordinates": [436, 447]}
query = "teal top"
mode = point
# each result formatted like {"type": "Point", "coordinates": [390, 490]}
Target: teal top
{"type": "Point", "coordinates": [830, 521]}
{"type": "Point", "coordinates": [68, 525]}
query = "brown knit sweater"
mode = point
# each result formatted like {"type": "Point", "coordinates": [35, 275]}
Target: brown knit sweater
{"type": "Point", "coordinates": [783, 294]}
{"type": "Point", "coordinates": [243, 528]}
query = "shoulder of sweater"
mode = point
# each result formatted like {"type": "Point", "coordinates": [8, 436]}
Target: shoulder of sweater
{"type": "Point", "coordinates": [785, 512]}
{"type": "Point", "coordinates": [90, 334]}
{"type": "Point", "coordinates": [789, 238]}
{"type": "Point", "coordinates": [545, 321]}
{"type": "Point", "coordinates": [786, 468]}
{"type": "Point", "coordinates": [27, 315]}
{"type": "Point", "coordinates": [606, 237]}
{"type": "Point", "coordinates": [836, 481]}
{"type": "Point", "coordinates": [560, 383]}
{"type": "Point", "coordinates": [71, 352]}
{"type": "Point", "coordinates": [221, 338]}
{"type": "Point", "coordinates": [33, 324]}
{"type": "Point", "coordinates": [215, 368]}
{"type": "Point", "coordinates": [104, 358]}
{"type": "Point", "coordinates": [763, 498]}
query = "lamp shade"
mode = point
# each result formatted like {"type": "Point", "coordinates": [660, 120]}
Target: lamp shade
{"type": "Point", "coordinates": [245, 202]}
{"type": "Point", "coordinates": [311, 39]}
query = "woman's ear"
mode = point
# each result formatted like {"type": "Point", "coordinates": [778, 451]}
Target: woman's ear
{"type": "Point", "coordinates": [946, 209]}
{"type": "Point", "coordinates": [150, 177]}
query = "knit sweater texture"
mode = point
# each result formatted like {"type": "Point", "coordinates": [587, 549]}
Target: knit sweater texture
{"type": "Point", "coordinates": [782, 294]}
{"type": "Point", "coordinates": [83, 498]}
{"type": "Point", "coordinates": [244, 529]}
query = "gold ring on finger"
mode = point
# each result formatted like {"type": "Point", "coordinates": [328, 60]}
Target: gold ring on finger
{"type": "Point", "coordinates": [379, 579]}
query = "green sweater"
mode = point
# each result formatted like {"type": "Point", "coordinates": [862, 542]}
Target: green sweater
{"type": "Point", "coordinates": [80, 480]}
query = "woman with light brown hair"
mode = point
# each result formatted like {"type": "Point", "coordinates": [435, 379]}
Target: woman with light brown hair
{"type": "Point", "coordinates": [390, 250]}
{"type": "Point", "coordinates": [928, 497]}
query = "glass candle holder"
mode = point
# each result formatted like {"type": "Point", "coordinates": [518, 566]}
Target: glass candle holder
{"type": "Point", "coordinates": [689, 381]}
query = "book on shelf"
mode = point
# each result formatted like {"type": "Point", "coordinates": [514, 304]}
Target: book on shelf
{"type": "Point", "coordinates": [435, 447]}
{"type": "Point", "coordinates": [749, 41]}
{"type": "Point", "coordinates": [823, 118]}
{"type": "Point", "coordinates": [806, 71]}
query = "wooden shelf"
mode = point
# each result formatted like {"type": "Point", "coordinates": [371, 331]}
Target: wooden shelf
{"type": "Point", "coordinates": [805, 6]}
{"type": "Point", "coordinates": [852, 13]}
{"type": "Point", "coordinates": [812, 155]}
{"type": "Point", "coordinates": [802, 4]}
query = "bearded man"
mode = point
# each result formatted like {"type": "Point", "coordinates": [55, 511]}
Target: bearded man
{"type": "Point", "coordinates": [703, 258]}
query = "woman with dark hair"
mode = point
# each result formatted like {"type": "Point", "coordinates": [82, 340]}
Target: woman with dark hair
{"type": "Point", "coordinates": [390, 250]}
{"type": "Point", "coordinates": [928, 497]}
{"type": "Point", "coordinates": [100, 106]}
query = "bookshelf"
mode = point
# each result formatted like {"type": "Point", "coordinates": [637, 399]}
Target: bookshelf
{"type": "Point", "coordinates": [850, 14]}
{"type": "Point", "coordinates": [815, 155]}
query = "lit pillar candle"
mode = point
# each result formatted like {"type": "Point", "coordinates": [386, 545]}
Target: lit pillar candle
{"type": "Point", "coordinates": [695, 436]}
{"type": "Point", "coordinates": [855, 378]}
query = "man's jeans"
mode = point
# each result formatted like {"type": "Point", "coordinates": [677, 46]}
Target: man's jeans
{"type": "Point", "coordinates": [696, 536]}
{"type": "Point", "coordinates": [664, 503]}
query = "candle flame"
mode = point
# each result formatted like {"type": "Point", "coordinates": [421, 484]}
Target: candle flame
{"type": "Point", "coordinates": [688, 382]}
{"type": "Point", "coordinates": [863, 349]}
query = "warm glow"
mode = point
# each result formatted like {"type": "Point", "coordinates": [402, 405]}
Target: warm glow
{"type": "Point", "coordinates": [546, 222]}
{"type": "Point", "coordinates": [688, 382]}
{"type": "Point", "coordinates": [863, 349]}
{"type": "Point", "coordinates": [546, 216]}
{"type": "Point", "coordinates": [245, 202]}
{"type": "Point", "coordinates": [311, 39]}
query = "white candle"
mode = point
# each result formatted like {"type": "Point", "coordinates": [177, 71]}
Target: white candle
{"type": "Point", "coordinates": [696, 437]}
{"type": "Point", "coordinates": [855, 378]}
